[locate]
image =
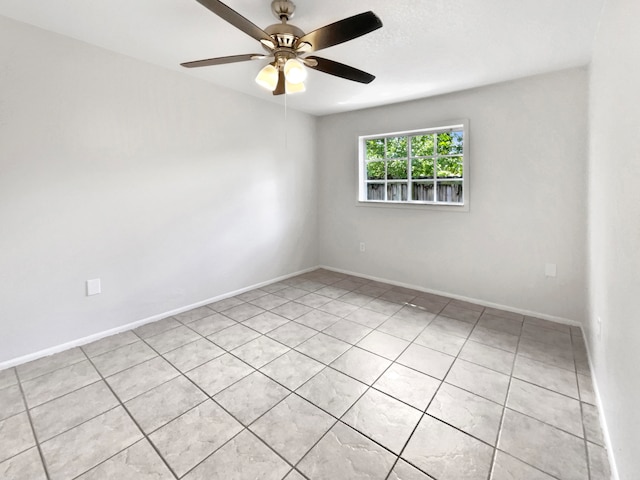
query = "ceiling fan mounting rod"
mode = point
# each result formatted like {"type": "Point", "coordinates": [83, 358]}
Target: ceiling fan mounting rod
{"type": "Point", "coordinates": [283, 9]}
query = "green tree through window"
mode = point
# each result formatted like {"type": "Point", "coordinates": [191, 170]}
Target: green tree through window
{"type": "Point", "coordinates": [427, 167]}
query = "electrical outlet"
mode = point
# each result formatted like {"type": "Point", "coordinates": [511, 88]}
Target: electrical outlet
{"type": "Point", "coordinates": [362, 247]}
{"type": "Point", "coordinates": [93, 287]}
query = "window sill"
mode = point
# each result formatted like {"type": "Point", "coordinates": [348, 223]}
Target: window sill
{"type": "Point", "coordinates": [438, 207]}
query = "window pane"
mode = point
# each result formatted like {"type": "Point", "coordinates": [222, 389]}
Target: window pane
{"type": "Point", "coordinates": [397, 147]}
{"type": "Point", "coordinates": [397, 169]}
{"type": "Point", "coordinates": [422, 168]}
{"type": "Point", "coordinates": [450, 192]}
{"type": "Point", "coordinates": [422, 192]}
{"type": "Point", "coordinates": [457, 142]}
{"type": "Point", "coordinates": [397, 192]}
{"type": "Point", "coordinates": [419, 166]}
{"type": "Point", "coordinates": [375, 191]}
{"type": "Point", "coordinates": [450, 143]}
{"type": "Point", "coordinates": [422, 146]}
{"type": "Point", "coordinates": [375, 171]}
{"type": "Point", "coordinates": [450, 167]}
{"type": "Point", "coordinates": [375, 149]}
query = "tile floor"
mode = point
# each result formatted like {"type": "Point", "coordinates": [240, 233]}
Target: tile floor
{"type": "Point", "coordinates": [321, 377]}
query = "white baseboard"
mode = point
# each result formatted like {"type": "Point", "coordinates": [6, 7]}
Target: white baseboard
{"type": "Point", "coordinates": [130, 326]}
{"type": "Point", "coordinates": [477, 301]}
{"type": "Point", "coordinates": [603, 420]}
{"type": "Point", "coordinates": [122, 328]}
{"type": "Point", "coordinates": [138, 323]}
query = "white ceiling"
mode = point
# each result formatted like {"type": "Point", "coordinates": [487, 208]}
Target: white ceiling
{"type": "Point", "coordinates": [425, 47]}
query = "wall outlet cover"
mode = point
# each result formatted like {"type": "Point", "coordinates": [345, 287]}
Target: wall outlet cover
{"type": "Point", "coordinates": [93, 287]}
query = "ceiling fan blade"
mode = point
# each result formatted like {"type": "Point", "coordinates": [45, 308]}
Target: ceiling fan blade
{"type": "Point", "coordinates": [234, 18]}
{"type": "Point", "coordinates": [339, 70]}
{"type": "Point", "coordinates": [222, 60]}
{"type": "Point", "coordinates": [339, 32]}
{"type": "Point", "coordinates": [281, 87]}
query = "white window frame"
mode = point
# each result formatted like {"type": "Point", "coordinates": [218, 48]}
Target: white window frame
{"type": "Point", "coordinates": [409, 203]}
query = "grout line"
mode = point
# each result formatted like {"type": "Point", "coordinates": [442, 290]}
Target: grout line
{"type": "Point", "coordinates": [162, 355]}
{"type": "Point", "coordinates": [468, 338]}
{"type": "Point", "coordinates": [339, 420]}
{"type": "Point", "coordinates": [145, 436]}
{"type": "Point", "coordinates": [424, 412]}
{"type": "Point", "coordinates": [546, 474]}
{"type": "Point", "coordinates": [112, 456]}
{"type": "Point", "coordinates": [118, 372]}
{"type": "Point", "coordinates": [293, 392]}
{"type": "Point", "coordinates": [33, 430]}
{"type": "Point", "coordinates": [66, 365]}
{"type": "Point", "coordinates": [545, 423]}
{"type": "Point", "coordinates": [84, 421]}
{"type": "Point", "coordinates": [452, 296]}
{"type": "Point", "coordinates": [397, 455]}
{"type": "Point", "coordinates": [113, 348]}
{"type": "Point", "coordinates": [504, 406]}
{"type": "Point", "coordinates": [210, 397]}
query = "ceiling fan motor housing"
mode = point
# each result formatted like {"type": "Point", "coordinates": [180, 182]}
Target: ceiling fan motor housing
{"type": "Point", "coordinates": [285, 37]}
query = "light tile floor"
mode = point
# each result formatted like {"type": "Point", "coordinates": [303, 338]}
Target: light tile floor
{"type": "Point", "coordinates": [323, 377]}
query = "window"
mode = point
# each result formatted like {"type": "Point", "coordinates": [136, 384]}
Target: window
{"type": "Point", "coordinates": [425, 167]}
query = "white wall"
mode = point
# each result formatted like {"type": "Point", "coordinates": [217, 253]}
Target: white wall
{"type": "Point", "coordinates": [614, 227]}
{"type": "Point", "coordinates": [169, 189]}
{"type": "Point", "coordinates": [528, 182]}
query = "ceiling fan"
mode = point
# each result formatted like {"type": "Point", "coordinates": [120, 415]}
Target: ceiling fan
{"type": "Point", "coordinates": [288, 46]}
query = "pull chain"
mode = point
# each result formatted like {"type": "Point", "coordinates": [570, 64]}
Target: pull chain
{"type": "Point", "coordinates": [285, 120]}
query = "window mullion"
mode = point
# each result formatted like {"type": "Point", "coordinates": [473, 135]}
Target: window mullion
{"type": "Point", "coordinates": [386, 173]}
{"type": "Point", "coordinates": [435, 167]}
{"type": "Point", "coordinates": [454, 187]}
{"type": "Point", "coordinates": [409, 170]}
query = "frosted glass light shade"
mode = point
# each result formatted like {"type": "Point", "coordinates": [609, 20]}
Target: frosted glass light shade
{"type": "Point", "coordinates": [294, 87]}
{"type": "Point", "coordinates": [294, 71]}
{"type": "Point", "coordinates": [268, 77]}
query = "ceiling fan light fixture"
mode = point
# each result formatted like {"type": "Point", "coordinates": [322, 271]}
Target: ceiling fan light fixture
{"type": "Point", "coordinates": [268, 77]}
{"type": "Point", "coordinates": [294, 71]}
{"type": "Point", "coordinates": [294, 87]}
